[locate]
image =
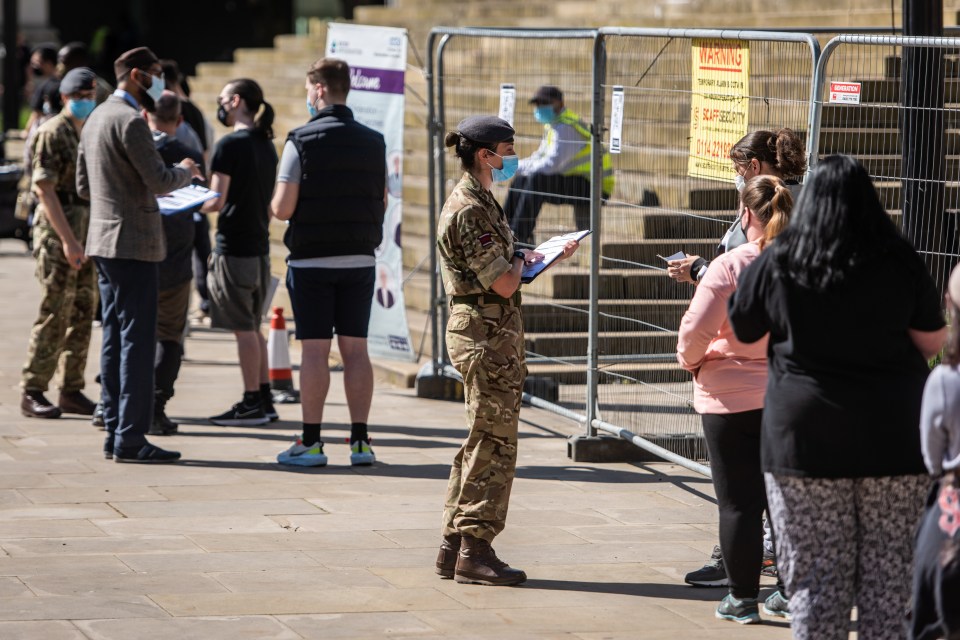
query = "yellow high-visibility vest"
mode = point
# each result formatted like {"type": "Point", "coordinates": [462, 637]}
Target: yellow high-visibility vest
{"type": "Point", "coordinates": [581, 161]}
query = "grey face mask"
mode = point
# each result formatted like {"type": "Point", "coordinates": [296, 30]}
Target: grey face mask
{"type": "Point", "coordinates": [734, 237]}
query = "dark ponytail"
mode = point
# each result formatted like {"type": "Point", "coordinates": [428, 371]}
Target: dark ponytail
{"type": "Point", "coordinates": [783, 150]}
{"type": "Point", "coordinates": [466, 149]}
{"type": "Point", "coordinates": [252, 95]}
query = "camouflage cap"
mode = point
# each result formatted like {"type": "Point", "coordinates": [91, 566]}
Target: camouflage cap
{"type": "Point", "coordinates": [485, 129]}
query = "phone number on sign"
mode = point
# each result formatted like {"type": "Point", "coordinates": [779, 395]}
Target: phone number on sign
{"type": "Point", "coordinates": [712, 148]}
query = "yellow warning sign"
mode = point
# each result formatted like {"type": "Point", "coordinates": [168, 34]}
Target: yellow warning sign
{"type": "Point", "coordinates": [719, 106]}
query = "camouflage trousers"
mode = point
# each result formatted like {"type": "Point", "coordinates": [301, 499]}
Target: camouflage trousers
{"type": "Point", "coordinates": [486, 346]}
{"type": "Point", "coordinates": [62, 329]}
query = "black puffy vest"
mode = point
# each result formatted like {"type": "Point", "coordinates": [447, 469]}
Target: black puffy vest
{"type": "Point", "coordinates": [342, 181]}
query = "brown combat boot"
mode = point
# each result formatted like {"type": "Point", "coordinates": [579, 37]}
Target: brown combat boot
{"type": "Point", "coordinates": [447, 558]}
{"type": "Point", "coordinates": [477, 563]}
{"type": "Point", "coordinates": [33, 404]}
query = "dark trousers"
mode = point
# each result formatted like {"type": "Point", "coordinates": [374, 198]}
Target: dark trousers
{"type": "Point", "coordinates": [733, 440]}
{"type": "Point", "coordinates": [201, 253]}
{"type": "Point", "coordinates": [128, 290]}
{"type": "Point", "coordinates": [529, 192]}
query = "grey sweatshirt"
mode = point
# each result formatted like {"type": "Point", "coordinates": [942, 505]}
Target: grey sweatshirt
{"type": "Point", "coordinates": [940, 420]}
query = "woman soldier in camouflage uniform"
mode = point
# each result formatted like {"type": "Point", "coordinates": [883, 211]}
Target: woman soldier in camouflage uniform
{"type": "Point", "coordinates": [481, 274]}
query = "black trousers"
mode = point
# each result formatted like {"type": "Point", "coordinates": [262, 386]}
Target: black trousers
{"type": "Point", "coordinates": [733, 440]}
{"type": "Point", "coordinates": [201, 253]}
{"type": "Point", "coordinates": [128, 291]}
{"type": "Point", "coordinates": [529, 192]}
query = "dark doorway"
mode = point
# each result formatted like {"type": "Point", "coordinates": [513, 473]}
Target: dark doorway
{"type": "Point", "coordinates": [189, 31]}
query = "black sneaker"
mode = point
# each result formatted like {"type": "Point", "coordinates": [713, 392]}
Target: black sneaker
{"type": "Point", "coordinates": [269, 410]}
{"type": "Point", "coordinates": [147, 454]}
{"type": "Point", "coordinates": [712, 574]}
{"type": "Point", "coordinates": [241, 415]}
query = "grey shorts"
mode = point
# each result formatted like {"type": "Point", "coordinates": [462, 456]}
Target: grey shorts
{"type": "Point", "coordinates": [237, 287]}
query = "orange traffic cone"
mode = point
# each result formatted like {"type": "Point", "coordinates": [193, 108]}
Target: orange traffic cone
{"type": "Point", "coordinates": [278, 360]}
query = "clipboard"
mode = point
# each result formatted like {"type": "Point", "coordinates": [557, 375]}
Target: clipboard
{"type": "Point", "coordinates": [551, 250]}
{"type": "Point", "coordinates": [183, 199]}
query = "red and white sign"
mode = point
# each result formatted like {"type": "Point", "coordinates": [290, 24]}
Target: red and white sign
{"type": "Point", "coordinates": [845, 92]}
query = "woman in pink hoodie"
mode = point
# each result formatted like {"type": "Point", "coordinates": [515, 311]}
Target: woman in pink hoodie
{"type": "Point", "coordinates": [730, 379]}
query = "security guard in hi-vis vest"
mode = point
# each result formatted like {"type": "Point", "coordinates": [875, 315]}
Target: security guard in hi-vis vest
{"type": "Point", "coordinates": [481, 274]}
{"type": "Point", "coordinates": [559, 171]}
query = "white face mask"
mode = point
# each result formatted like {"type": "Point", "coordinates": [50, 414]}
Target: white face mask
{"type": "Point", "coordinates": [739, 182]}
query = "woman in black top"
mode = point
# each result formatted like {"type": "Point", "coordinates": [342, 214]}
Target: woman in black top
{"type": "Point", "coordinates": [243, 170]}
{"type": "Point", "coordinates": [852, 315]}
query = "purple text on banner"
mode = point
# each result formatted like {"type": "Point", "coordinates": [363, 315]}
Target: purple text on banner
{"type": "Point", "coordinates": [379, 80]}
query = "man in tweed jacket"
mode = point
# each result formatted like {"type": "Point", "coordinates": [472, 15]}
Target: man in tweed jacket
{"type": "Point", "coordinates": [120, 172]}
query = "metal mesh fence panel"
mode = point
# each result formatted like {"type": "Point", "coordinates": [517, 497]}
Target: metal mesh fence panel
{"type": "Point", "coordinates": [471, 67]}
{"type": "Point", "coordinates": [662, 206]}
{"type": "Point", "coordinates": [892, 103]}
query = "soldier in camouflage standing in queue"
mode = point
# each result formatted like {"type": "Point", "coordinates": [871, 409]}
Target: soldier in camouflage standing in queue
{"type": "Point", "coordinates": [67, 277]}
{"type": "Point", "coordinates": [481, 274]}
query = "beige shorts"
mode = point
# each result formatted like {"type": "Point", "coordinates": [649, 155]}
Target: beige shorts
{"type": "Point", "coordinates": [238, 286]}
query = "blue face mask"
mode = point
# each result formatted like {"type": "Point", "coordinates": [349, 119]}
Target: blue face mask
{"type": "Point", "coordinates": [80, 109]}
{"type": "Point", "coordinates": [544, 114]}
{"type": "Point", "coordinates": [510, 164]}
{"type": "Point", "coordinates": [155, 90]}
{"type": "Point", "coordinates": [312, 110]}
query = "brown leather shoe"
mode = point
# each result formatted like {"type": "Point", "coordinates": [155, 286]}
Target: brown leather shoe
{"type": "Point", "coordinates": [477, 563]}
{"type": "Point", "coordinates": [447, 558]}
{"type": "Point", "coordinates": [33, 404]}
{"type": "Point", "coordinates": [76, 402]}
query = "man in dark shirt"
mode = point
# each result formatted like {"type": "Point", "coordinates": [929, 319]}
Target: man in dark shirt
{"type": "Point", "coordinates": [193, 118]}
{"type": "Point", "coordinates": [242, 170]}
{"type": "Point", "coordinates": [176, 270]}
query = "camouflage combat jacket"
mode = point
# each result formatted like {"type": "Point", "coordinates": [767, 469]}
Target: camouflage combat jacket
{"type": "Point", "coordinates": [474, 241]}
{"type": "Point", "coordinates": [55, 160]}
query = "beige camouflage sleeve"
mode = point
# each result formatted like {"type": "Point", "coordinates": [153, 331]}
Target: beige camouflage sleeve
{"type": "Point", "coordinates": [483, 248]}
{"type": "Point", "coordinates": [45, 165]}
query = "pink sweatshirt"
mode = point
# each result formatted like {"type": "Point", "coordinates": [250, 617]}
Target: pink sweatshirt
{"type": "Point", "coordinates": [729, 376]}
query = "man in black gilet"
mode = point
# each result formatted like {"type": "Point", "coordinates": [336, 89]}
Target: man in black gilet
{"type": "Point", "coordinates": [331, 186]}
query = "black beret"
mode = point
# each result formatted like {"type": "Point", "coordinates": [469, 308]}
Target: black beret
{"type": "Point", "coordinates": [139, 58]}
{"type": "Point", "coordinates": [76, 80]}
{"type": "Point", "coordinates": [485, 129]}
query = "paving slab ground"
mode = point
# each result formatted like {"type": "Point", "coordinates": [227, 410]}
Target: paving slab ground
{"type": "Point", "coordinates": [231, 545]}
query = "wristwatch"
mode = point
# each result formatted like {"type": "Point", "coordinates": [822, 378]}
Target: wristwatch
{"type": "Point", "coordinates": [520, 254]}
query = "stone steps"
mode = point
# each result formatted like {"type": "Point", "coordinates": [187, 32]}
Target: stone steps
{"type": "Point", "coordinates": [641, 305]}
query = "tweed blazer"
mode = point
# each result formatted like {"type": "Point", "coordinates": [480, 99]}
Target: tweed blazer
{"type": "Point", "coordinates": [120, 172]}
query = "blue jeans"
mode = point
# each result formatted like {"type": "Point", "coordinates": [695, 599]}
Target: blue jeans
{"type": "Point", "coordinates": [128, 291]}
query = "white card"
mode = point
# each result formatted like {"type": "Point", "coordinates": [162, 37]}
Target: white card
{"type": "Point", "coordinates": [508, 100]}
{"type": "Point", "coordinates": [616, 119]}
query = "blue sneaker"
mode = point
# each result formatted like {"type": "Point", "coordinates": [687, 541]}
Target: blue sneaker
{"type": "Point", "coordinates": [745, 611]}
{"type": "Point", "coordinates": [301, 455]}
{"type": "Point", "coordinates": [361, 454]}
